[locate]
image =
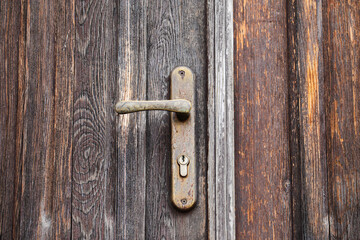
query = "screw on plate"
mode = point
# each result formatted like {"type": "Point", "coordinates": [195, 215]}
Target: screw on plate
{"type": "Point", "coordinates": [182, 73]}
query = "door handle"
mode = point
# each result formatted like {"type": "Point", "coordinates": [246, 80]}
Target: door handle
{"type": "Point", "coordinates": [178, 106]}
{"type": "Point", "coordinates": [183, 161]}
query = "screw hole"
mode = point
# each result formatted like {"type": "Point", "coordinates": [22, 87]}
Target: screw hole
{"type": "Point", "coordinates": [183, 201]}
{"type": "Point", "coordinates": [182, 73]}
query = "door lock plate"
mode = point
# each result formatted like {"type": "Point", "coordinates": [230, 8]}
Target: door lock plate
{"type": "Point", "coordinates": [183, 161]}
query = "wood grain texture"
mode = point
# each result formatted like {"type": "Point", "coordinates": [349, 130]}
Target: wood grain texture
{"type": "Point", "coordinates": [36, 116]}
{"type": "Point", "coordinates": [94, 156]}
{"type": "Point", "coordinates": [221, 183]}
{"type": "Point", "coordinates": [175, 36]}
{"type": "Point", "coordinates": [37, 84]}
{"type": "Point", "coordinates": [131, 128]}
{"type": "Point", "coordinates": [74, 174]}
{"type": "Point", "coordinates": [262, 169]}
{"type": "Point", "coordinates": [64, 50]}
{"type": "Point", "coordinates": [342, 84]}
{"type": "Point", "coordinates": [323, 91]}
{"type": "Point", "coordinates": [308, 144]}
{"type": "Point", "coordinates": [19, 122]}
{"type": "Point", "coordinates": [9, 53]}
{"type": "Point", "coordinates": [294, 125]}
{"type": "Point", "coordinates": [43, 84]}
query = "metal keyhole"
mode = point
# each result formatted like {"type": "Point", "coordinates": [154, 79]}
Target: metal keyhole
{"type": "Point", "coordinates": [183, 162]}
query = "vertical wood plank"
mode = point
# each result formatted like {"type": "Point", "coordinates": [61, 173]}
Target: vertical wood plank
{"type": "Point", "coordinates": [43, 84]}
{"type": "Point", "coordinates": [19, 121]}
{"type": "Point", "coordinates": [64, 49]}
{"type": "Point", "coordinates": [9, 53]}
{"type": "Point", "coordinates": [221, 184]}
{"type": "Point", "coordinates": [175, 36]}
{"type": "Point", "coordinates": [309, 167]}
{"type": "Point", "coordinates": [131, 128]}
{"type": "Point", "coordinates": [294, 116]}
{"type": "Point", "coordinates": [35, 162]}
{"type": "Point", "coordinates": [94, 156]}
{"type": "Point", "coordinates": [262, 170]}
{"type": "Point", "coordinates": [342, 84]}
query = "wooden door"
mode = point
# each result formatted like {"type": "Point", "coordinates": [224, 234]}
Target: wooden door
{"type": "Point", "coordinates": [277, 122]}
{"type": "Point", "coordinates": [70, 166]}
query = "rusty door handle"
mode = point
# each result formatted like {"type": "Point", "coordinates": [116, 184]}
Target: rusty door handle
{"type": "Point", "coordinates": [178, 106]}
{"type": "Point", "coordinates": [183, 161]}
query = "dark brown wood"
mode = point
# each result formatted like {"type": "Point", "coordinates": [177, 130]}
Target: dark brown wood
{"type": "Point", "coordinates": [294, 113]}
{"type": "Point", "coordinates": [71, 168]}
{"type": "Point", "coordinates": [94, 153]}
{"type": "Point", "coordinates": [262, 164]}
{"type": "Point", "coordinates": [307, 121]}
{"type": "Point", "coordinates": [323, 86]}
{"type": "Point", "coordinates": [19, 123]}
{"type": "Point", "coordinates": [41, 64]}
{"type": "Point", "coordinates": [37, 113]}
{"type": "Point", "coordinates": [64, 14]}
{"type": "Point", "coordinates": [9, 53]}
{"type": "Point", "coordinates": [342, 84]}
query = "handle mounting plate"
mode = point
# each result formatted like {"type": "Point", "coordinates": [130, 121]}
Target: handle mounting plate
{"type": "Point", "coordinates": [184, 188]}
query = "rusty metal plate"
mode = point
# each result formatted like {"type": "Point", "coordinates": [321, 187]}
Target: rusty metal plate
{"type": "Point", "coordinates": [183, 162]}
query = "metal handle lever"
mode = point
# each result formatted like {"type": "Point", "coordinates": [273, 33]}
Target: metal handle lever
{"type": "Point", "coordinates": [178, 106]}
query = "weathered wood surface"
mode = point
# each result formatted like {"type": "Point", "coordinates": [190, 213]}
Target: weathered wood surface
{"type": "Point", "coordinates": [342, 91]}
{"type": "Point", "coordinates": [176, 35]}
{"type": "Point", "coordinates": [307, 117]}
{"type": "Point", "coordinates": [131, 128]}
{"type": "Point", "coordinates": [9, 53]}
{"type": "Point", "coordinates": [221, 182]}
{"type": "Point", "coordinates": [37, 104]}
{"type": "Point", "coordinates": [94, 152]}
{"type": "Point", "coordinates": [70, 167]}
{"type": "Point", "coordinates": [321, 59]}
{"type": "Point", "coordinates": [262, 166]}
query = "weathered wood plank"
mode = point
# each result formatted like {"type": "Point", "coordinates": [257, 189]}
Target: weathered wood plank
{"type": "Point", "coordinates": [262, 169]}
{"type": "Point", "coordinates": [19, 122]}
{"type": "Point", "coordinates": [131, 128]}
{"type": "Point", "coordinates": [342, 84]}
{"type": "Point", "coordinates": [9, 53]}
{"type": "Point", "coordinates": [176, 32]}
{"type": "Point", "coordinates": [37, 100]}
{"type": "Point", "coordinates": [36, 114]}
{"type": "Point", "coordinates": [308, 144]}
{"type": "Point", "coordinates": [294, 116]}
{"type": "Point", "coordinates": [94, 156]}
{"type": "Point", "coordinates": [221, 184]}
{"type": "Point", "coordinates": [64, 49]}
{"type": "Point", "coordinates": [42, 85]}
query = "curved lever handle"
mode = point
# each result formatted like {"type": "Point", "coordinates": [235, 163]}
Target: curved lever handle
{"type": "Point", "coordinates": [178, 106]}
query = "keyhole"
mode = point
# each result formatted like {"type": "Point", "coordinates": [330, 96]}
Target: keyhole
{"type": "Point", "coordinates": [183, 162]}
